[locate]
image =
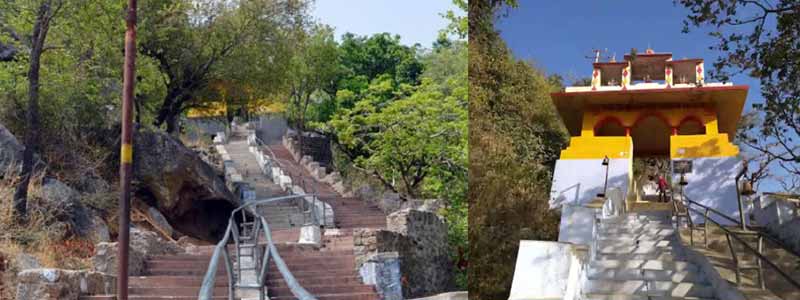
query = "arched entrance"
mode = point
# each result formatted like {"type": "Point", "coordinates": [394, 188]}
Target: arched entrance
{"type": "Point", "coordinates": [609, 127]}
{"type": "Point", "coordinates": [650, 136]}
{"type": "Point", "coordinates": [691, 126]}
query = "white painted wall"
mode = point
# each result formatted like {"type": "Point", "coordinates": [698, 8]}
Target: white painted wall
{"type": "Point", "coordinates": [578, 181]}
{"type": "Point", "coordinates": [713, 184]}
{"type": "Point", "coordinates": [771, 211]}
{"type": "Point", "coordinates": [577, 224]}
{"type": "Point", "coordinates": [546, 270]}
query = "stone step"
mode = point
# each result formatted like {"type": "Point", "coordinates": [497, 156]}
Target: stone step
{"type": "Point", "coordinates": [648, 236]}
{"type": "Point", "coordinates": [633, 249]}
{"type": "Point", "coordinates": [655, 288]}
{"type": "Point", "coordinates": [636, 256]}
{"type": "Point", "coordinates": [644, 264]}
{"type": "Point", "coordinates": [348, 296]}
{"type": "Point", "coordinates": [297, 266]}
{"type": "Point", "coordinates": [650, 275]}
{"type": "Point", "coordinates": [320, 260]}
{"type": "Point", "coordinates": [634, 225]}
{"type": "Point", "coordinates": [301, 254]}
{"type": "Point", "coordinates": [264, 211]}
{"type": "Point", "coordinates": [182, 257]}
{"type": "Point", "coordinates": [148, 297]}
{"type": "Point", "coordinates": [315, 289]}
{"type": "Point", "coordinates": [632, 242]}
{"type": "Point", "coordinates": [639, 297]}
{"type": "Point", "coordinates": [175, 291]}
{"type": "Point", "coordinates": [312, 274]}
{"type": "Point", "coordinates": [173, 281]}
{"type": "Point", "coordinates": [189, 271]}
{"type": "Point", "coordinates": [663, 231]}
{"type": "Point", "coordinates": [358, 216]}
{"type": "Point", "coordinates": [278, 281]}
{"type": "Point", "coordinates": [356, 221]}
{"type": "Point", "coordinates": [176, 264]}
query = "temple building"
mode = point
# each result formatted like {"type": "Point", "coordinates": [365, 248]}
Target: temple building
{"type": "Point", "coordinates": [642, 115]}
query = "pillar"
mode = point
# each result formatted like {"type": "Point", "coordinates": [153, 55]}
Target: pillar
{"type": "Point", "coordinates": [626, 76]}
{"type": "Point", "coordinates": [596, 79]}
{"type": "Point", "coordinates": [700, 74]}
{"type": "Point", "coordinates": [668, 75]}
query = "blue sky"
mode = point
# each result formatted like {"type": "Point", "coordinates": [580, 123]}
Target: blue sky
{"type": "Point", "coordinates": [416, 21]}
{"type": "Point", "coordinates": [558, 35]}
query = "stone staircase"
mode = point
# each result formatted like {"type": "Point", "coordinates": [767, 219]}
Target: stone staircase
{"type": "Point", "coordinates": [635, 259]}
{"type": "Point", "coordinates": [327, 272]}
{"type": "Point", "coordinates": [173, 277]}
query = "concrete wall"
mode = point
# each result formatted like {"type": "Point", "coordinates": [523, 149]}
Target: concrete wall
{"type": "Point", "coordinates": [270, 128]}
{"type": "Point", "coordinates": [420, 239]}
{"type": "Point", "coordinates": [577, 225]}
{"type": "Point", "coordinates": [771, 211]}
{"type": "Point", "coordinates": [578, 181]}
{"type": "Point", "coordinates": [547, 270]}
{"type": "Point", "coordinates": [712, 183]}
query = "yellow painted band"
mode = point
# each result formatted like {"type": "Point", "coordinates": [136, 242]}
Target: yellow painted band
{"type": "Point", "coordinates": [598, 148]}
{"type": "Point", "coordinates": [126, 154]}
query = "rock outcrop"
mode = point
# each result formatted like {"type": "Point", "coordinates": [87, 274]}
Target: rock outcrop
{"type": "Point", "coordinates": [184, 188]}
{"type": "Point", "coordinates": [63, 203]}
{"type": "Point", "coordinates": [10, 150]}
{"type": "Point", "coordinates": [11, 153]}
{"type": "Point", "coordinates": [58, 284]}
{"type": "Point", "coordinates": [143, 244]}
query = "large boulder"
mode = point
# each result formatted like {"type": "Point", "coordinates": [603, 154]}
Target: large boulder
{"type": "Point", "coordinates": [10, 150]}
{"type": "Point", "coordinates": [11, 153]}
{"type": "Point", "coordinates": [142, 244]}
{"type": "Point", "coordinates": [58, 284]}
{"type": "Point", "coordinates": [63, 203]}
{"type": "Point", "coordinates": [185, 189]}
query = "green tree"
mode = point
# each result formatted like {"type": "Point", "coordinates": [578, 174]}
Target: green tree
{"type": "Point", "coordinates": [46, 11]}
{"type": "Point", "coordinates": [515, 137]}
{"type": "Point", "coordinates": [192, 40]}
{"type": "Point", "coordinates": [758, 38]}
{"type": "Point", "coordinates": [377, 55]}
{"type": "Point", "coordinates": [314, 68]}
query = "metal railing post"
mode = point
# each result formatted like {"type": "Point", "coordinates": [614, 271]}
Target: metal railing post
{"type": "Point", "coordinates": [759, 262]}
{"type": "Point", "coordinates": [734, 258]}
{"type": "Point", "coordinates": [705, 229]}
{"type": "Point", "coordinates": [229, 269]}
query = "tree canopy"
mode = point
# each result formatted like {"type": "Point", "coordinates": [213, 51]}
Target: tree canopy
{"type": "Point", "coordinates": [515, 137]}
{"type": "Point", "coordinates": [759, 39]}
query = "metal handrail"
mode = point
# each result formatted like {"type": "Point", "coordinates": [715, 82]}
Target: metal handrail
{"type": "Point", "coordinates": [301, 179]}
{"type": "Point", "coordinates": [766, 235]}
{"type": "Point", "coordinates": [221, 249]}
{"type": "Point", "coordinates": [736, 237]}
